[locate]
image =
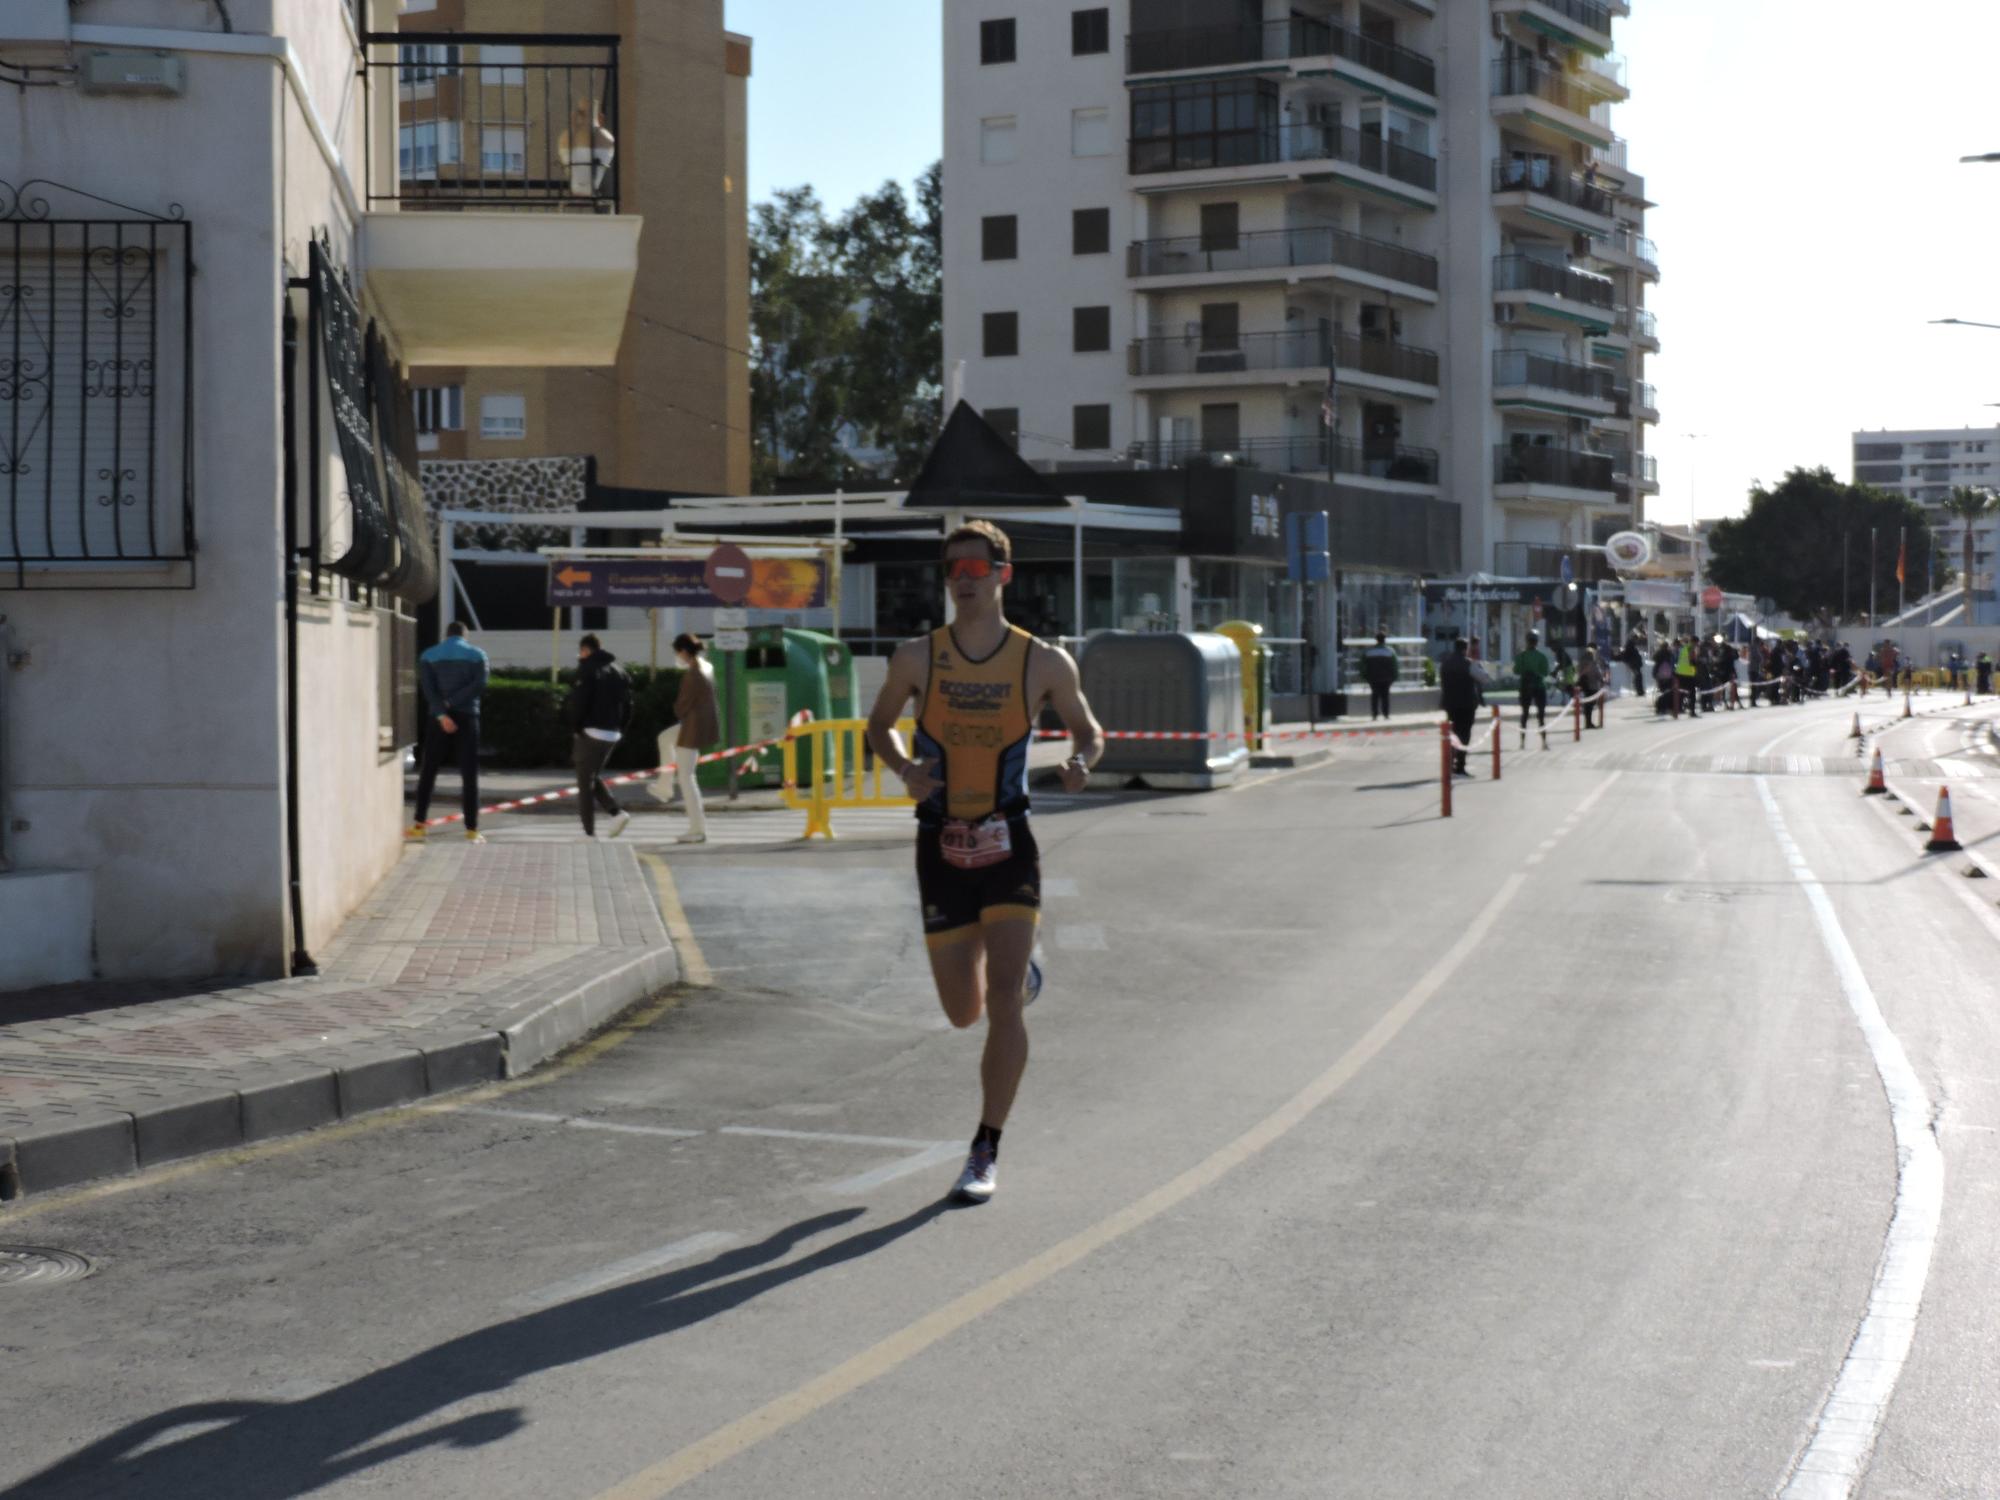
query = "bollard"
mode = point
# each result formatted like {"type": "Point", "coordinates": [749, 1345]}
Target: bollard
{"type": "Point", "coordinates": [1444, 768]}
{"type": "Point", "coordinates": [1576, 714]}
{"type": "Point", "coordinates": [1496, 742]}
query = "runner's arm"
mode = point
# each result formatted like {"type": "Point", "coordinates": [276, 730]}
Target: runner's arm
{"type": "Point", "coordinates": [907, 670]}
{"type": "Point", "coordinates": [1063, 688]}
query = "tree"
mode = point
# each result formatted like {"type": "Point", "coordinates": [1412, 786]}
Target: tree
{"type": "Point", "coordinates": [1805, 544]}
{"type": "Point", "coordinates": [1969, 505]}
{"type": "Point", "coordinates": [847, 323]}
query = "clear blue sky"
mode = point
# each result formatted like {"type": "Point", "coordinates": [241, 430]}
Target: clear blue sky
{"type": "Point", "coordinates": [1803, 153]}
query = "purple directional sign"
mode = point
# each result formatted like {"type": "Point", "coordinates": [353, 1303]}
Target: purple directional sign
{"type": "Point", "coordinates": [690, 582]}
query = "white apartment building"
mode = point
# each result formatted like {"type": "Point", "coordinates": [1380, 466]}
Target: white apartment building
{"type": "Point", "coordinates": [1926, 465]}
{"type": "Point", "coordinates": [1167, 220]}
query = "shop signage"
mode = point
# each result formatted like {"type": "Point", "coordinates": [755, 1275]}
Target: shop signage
{"type": "Point", "coordinates": [1656, 595]}
{"type": "Point", "coordinates": [1447, 593]}
{"type": "Point", "coordinates": [1260, 527]}
{"type": "Point", "coordinates": [726, 578]}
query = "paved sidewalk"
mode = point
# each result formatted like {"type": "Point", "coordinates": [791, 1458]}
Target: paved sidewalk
{"type": "Point", "coordinates": [467, 963]}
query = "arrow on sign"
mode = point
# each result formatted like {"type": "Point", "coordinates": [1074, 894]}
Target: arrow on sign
{"type": "Point", "coordinates": [569, 578]}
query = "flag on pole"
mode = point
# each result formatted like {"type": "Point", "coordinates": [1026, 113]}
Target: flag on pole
{"type": "Point", "coordinates": [1902, 554]}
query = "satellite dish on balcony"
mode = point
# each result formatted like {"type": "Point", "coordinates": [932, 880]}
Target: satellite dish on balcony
{"type": "Point", "coordinates": [1629, 551]}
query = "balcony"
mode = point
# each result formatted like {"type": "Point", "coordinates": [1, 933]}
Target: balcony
{"type": "Point", "coordinates": [1639, 401]}
{"type": "Point", "coordinates": [493, 236]}
{"type": "Point", "coordinates": [1559, 296]}
{"type": "Point", "coordinates": [1399, 464]}
{"type": "Point", "coordinates": [1646, 329]}
{"type": "Point", "coordinates": [1533, 467]}
{"type": "Point", "coordinates": [1282, 250]}
{"type": "Point", "coordinates": [1296, 39]}
{"type": "Point", "coordinates": [1193, 356]}
{"type": "Point", "coordinates": [1525, 89]}
{"type": "Point", "coordinates": [1365, 355]}
{"type": "Point", "coordinates": [1271, 144]}
{"type": "Point", "coordinates": [1523, 378]}
{"type": "Point", "coordinates": [1603, 75]}
{"type": "Point", "coordinates": [1579, 23]}
{"type": "Point", "coordinates": [1623, 246]}
{"type": "Point", "coordinates": [1539, 188]}
{"type": "Point", "coordinates": [1539, 560]}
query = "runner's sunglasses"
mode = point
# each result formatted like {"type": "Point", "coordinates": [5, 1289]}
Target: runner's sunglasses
{"type": "Point", "coordinates": [976, 567]}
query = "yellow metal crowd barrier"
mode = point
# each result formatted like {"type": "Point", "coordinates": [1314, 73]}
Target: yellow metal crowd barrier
{"type": "Point", "coordinates": [828, 765]}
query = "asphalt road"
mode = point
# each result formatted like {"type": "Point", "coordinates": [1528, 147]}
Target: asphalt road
{"type": "Point", "coordinates": [1542, 1152]}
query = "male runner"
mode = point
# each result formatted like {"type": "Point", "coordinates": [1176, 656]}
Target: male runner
{"type": "Point", "coordinates": [979, 684]}
{"type": "Point", "coordinates": [1533, 666]}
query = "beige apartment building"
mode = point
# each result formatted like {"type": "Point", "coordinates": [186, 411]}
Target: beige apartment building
{"type": "Point", "coordinates": [622, 106]}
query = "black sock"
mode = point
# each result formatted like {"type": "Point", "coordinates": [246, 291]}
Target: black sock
{"type": "Point", "coordinates": [989, 1137]}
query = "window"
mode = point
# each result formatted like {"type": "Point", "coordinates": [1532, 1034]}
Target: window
{"type": "Point", "coordinates": [1091, 328]}
{"type": "Point", "coordinates": [1089, 32]}
{"type": "Point", "coordinates": [1090, 132]}
{"type": "Point", "coordinates": [1090, 231]}
{"type": "Point", "coordinates": [997, 140]}
{"type": "Point", "coordinates": [414, 5]}
{"type": "Point", "coordinates": [1221, 428]}
{"type": "Point", "coordinates": [1218, 226]}
{"type": "Point", "coordinates": [996, 42]}
{"type": "Point", "coordinates": [1219, 324]}
{"type": "Point", "coordinates": [1177, 126]}
{"type": "Point", "coordinates": [1002, 334]}
{"type": "Point", "coordinates": [503, 151]}
{"type": "Point", "coordinates": [439, 408]}
{"type": "Point", "coordinates": [999, 237]}
{"type": "Point", "coordinates": [492, 56]}
{"type": "Point", "coordinates": [1090, 428]}
{"type": "Point", "coordinates": [1005, 420]}
{"type": "Point", "coordinates": [424, 62]}
{"type": "Point", "coordinates": [422, 149]}
{"type": "Point", "coordinates": [503, 418]}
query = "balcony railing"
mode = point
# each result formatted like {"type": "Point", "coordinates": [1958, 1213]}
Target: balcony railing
{"type": "Point", "coordinates": [1521, 367]}
{"type": "Point", "coordinates": [1539, 560]}
{"type": "Point", "coordinates": [1275, 41]}
{"type": "Point", "coordinates": [1584, 12]}
{"type": "Point", "coordinates": [1539, 174]}
{"type": "Point", "coordinates": [1297, 349]}
{"type": "Point", "coordinates": [1523, 273]}
{"type": "Point", "coordinates": [1278, 249]}
{"type": "Point", "coordinates": [499, 120]}
{"type": "Point", "coordinates": [1302, 455]}
{"type": "Point", "coordinates": [1608, 69]}
{"type": "Point", "coordinates": [1264, 144]}
{"type": "Point", "coordinates": [1565, 467]}
{"type": "Point", "coordinates": [1521, 75]}
{"type": "Point", "coordinates": [1617, 156]}
{"type": "Point", "coordinates": [1645, 325]}
{"type": "Point", "coordinates": [1378, 356]}
{"type": "Point", "coordinates": [1623, 243]}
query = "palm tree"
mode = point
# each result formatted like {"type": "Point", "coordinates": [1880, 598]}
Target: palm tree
{"type": "Point", "coordinates": [1969, 505]}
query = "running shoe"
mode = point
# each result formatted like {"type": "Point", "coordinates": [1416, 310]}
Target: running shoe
{"type": "Point", "coordinates": [1034, 985]}
{"type": "Point", "coordinates": [474, 836]}
{"type": "Point", "coordinates": [416, 833]}
{"type": "Point", "coordinates": [618, 825]}
{"type": "Point", "coordinates": [976, 1182]}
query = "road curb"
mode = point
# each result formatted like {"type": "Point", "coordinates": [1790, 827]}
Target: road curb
{"type": "Point", "coordinates": [297, 1097]}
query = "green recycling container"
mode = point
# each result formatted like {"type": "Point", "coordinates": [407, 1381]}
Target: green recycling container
{"type": "Point", "coordinates": [760, 689]}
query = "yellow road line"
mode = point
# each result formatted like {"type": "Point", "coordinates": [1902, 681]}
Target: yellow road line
{"type": "Point", "coordinates": [694, 967]}
{"type": "Point", "coordinates": [872, 1364]}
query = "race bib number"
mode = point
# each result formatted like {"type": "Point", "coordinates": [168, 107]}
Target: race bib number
{"type": "Point", "coordinates": [974, 846]}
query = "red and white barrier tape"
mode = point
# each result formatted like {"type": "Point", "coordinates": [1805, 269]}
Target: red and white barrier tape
{"type": "Point", "coordinates": [627, 779]}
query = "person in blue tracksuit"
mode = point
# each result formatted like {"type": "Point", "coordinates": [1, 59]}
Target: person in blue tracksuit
{"type": "Point", "coordinates": [452, 675]}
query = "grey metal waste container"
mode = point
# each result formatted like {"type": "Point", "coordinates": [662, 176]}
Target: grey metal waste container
{"type": "Point", "coordinates": [1186, 683]}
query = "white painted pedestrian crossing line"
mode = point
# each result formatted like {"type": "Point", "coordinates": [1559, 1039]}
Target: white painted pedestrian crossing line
{"type": "Point", "coordinates": [581, 1122]}
{"type": "Point", "coordinates": [629, 1269]}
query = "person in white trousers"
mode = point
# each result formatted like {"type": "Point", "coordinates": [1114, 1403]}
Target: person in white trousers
{"type": "Point", "coordinates": [700, 729]}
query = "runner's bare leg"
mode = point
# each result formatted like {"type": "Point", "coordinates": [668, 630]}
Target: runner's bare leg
{"type": "Point", "coordinates": [987, 973]}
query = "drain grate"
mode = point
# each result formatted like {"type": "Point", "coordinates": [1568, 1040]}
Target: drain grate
{"type": "Point", "coordinates": [30, 1265]}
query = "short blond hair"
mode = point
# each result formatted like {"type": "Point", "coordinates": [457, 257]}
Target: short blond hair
{"type": "Point", "coordinates": [998, 546]}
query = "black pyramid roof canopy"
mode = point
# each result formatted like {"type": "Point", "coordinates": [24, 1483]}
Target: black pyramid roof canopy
{"type": "Point", "coordinates": [971, 467]}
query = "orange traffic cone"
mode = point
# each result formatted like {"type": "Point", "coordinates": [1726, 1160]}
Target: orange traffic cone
{"type": "Point", "coordinates": [1877, 783]}
{"type": "Point", "coordinates": [1855, 732]}
{"type": "Point", "coordinates": [1942, 840]}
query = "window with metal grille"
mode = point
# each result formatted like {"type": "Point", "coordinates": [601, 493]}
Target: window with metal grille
{"type": "Point", "coordinates": [96, 394]}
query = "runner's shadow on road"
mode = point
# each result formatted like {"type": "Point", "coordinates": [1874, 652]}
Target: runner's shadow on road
{"type": "Point", "coordinates": [258, 1450]}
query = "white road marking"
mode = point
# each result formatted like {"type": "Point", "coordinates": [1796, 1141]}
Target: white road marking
{"type": "Point", "coordinates": [866, 1182]}
{"type": "Point", "coordinates": [1059, 887]}
{"type": "Point", "coordinates": [828, 1137]}
{"type": "Point", "coordinates": [1079, 937]}
{"type": "Point", "coordinates": [580, 1122]}
{"type": "Point", "coordinates": [619, 1270]}
{"type": "Point", "coordinates": [1847, 1424]}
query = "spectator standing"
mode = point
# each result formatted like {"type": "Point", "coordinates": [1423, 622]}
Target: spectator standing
{"type": "Point", "coordinates": [599, 706]}
{"type": "Point", "coordinates": [452, 676]}
{"type": "Point", "coordinates": [1982, 672]}
{"type": "Point", "coordinates": [1379, 669]}
{"type": "Point", "coordinates": [700, 729]}
{"type": "Point", "coordinates": [1589, 683]}
{"type": "Point", "coordinates": [1458, 693]}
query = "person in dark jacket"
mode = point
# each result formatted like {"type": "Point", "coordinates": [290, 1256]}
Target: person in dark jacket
{"type": "Point", "coordinates": [598, 708]}
{"type": "Point", "coordinates": [452, 676]}
{"type": "Point", "coordinates": [1458, 693]}
{"type": "Point", "coordinates": [1379, 669]}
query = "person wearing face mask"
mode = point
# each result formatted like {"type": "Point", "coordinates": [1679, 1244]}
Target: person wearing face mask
{"type": "Point", "coordinates": [700, 729]}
